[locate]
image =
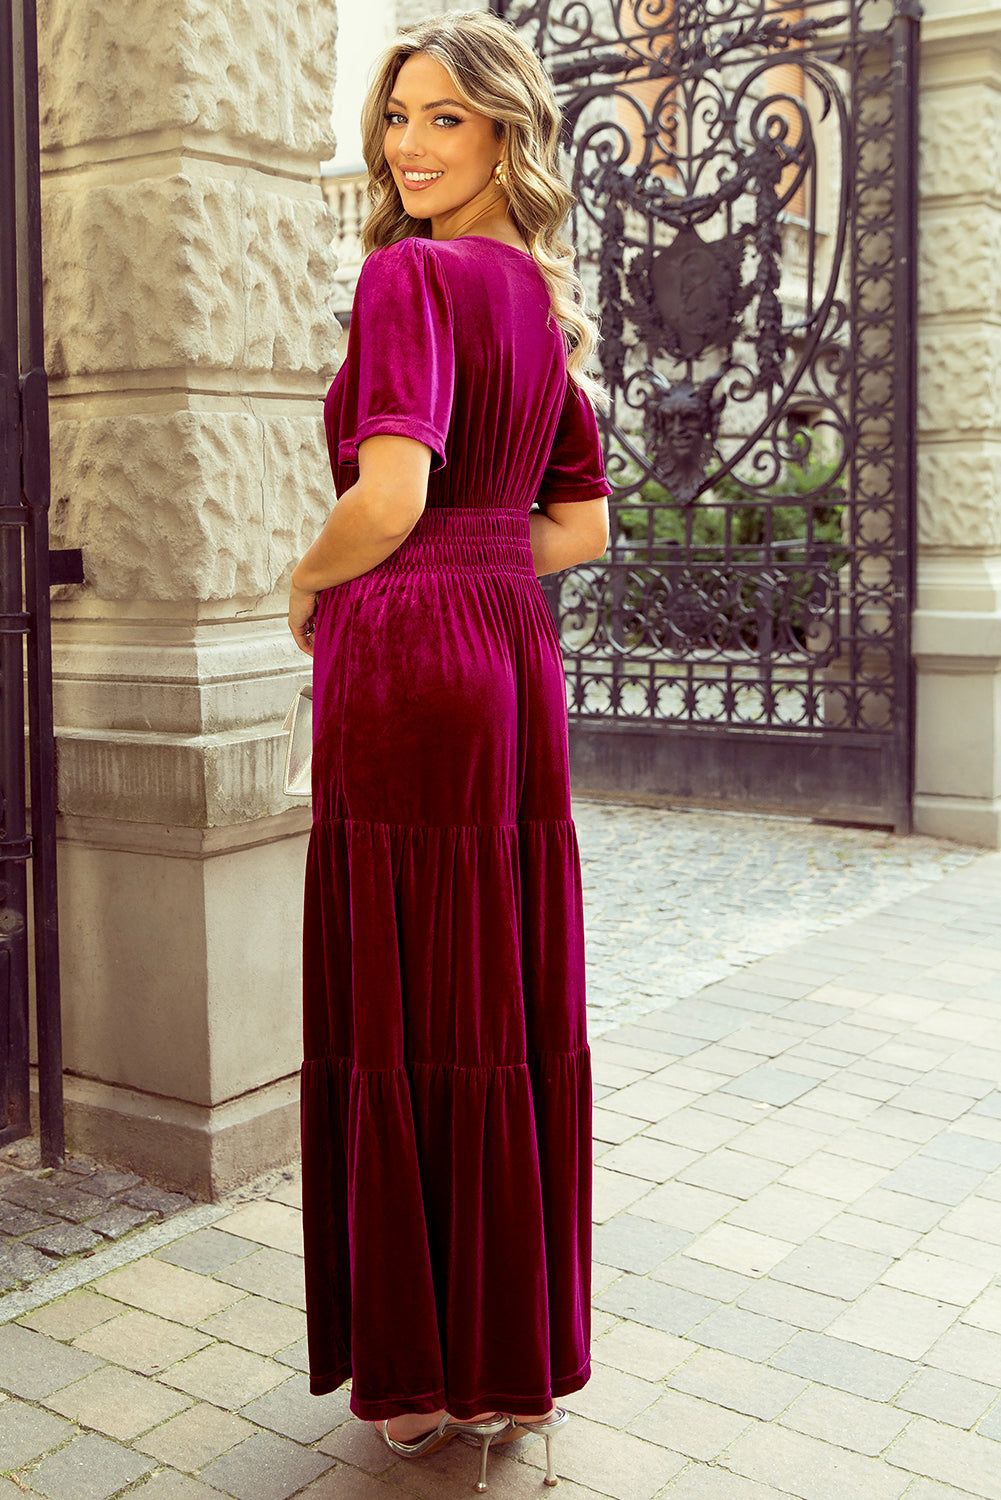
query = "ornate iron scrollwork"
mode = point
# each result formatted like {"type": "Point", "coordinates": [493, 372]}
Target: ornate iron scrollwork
{"type": "Point", "coordinates": [734, 170]}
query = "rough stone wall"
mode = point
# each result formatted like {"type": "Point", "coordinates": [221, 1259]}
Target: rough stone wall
{"type": "Point", "coordinates": [189, 269]}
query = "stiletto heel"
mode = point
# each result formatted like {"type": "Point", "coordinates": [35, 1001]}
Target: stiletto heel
{"type": "Point", "coordinates": [545, 1428]}
{"type": "Point", "coordinates": [449, 1427]}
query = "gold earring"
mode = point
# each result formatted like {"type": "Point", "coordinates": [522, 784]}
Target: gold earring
{"type": "Point", "coordinates": [500, 175]}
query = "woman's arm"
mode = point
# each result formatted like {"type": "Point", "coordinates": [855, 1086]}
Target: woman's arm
{"type": "Point", "coordinates": [567, 533]}
{"type": "Point", "coordinates": [367, 524]}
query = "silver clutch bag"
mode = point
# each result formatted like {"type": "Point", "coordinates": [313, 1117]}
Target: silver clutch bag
{"type": "Point", "coordinates": [299, 744]}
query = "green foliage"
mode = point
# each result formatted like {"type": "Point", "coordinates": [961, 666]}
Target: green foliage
{"type": "Point", "coordinates": [816, 475]}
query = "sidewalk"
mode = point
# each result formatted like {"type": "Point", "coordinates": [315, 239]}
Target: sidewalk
{"type": "Point", "coordinates": [798, 1206]}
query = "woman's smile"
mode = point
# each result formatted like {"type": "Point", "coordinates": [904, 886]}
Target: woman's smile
{"type": "Point", "coordinates": [416, 179]}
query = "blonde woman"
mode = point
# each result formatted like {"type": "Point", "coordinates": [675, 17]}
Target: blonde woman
{"type": "Point", "coordinates": [446, 1087]}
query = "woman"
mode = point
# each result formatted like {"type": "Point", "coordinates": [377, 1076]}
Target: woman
{"type": "Point", "coordinates": [446, 1087]}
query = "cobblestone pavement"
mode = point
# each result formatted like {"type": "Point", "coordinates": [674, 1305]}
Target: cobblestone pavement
{"type": "Point", "coordinates": [797, 1248]}
{"type": "Point", "coordinates": [677, 900]}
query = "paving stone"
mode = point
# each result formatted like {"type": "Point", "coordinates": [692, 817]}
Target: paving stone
{"type": "Point", "coordinates": [63, 1239]}
{"type": "Point", "coordinates": [698, 1128]}
{"type": "Point", "coordinates": [156, 1199]}
{"type": "Point", "coordinates": [612, 1463]}
{"type": "Point", "coordinates": [785, 1213]}
{"type": "Point", "coordinates": [937, 1451]}
{"type": "Point", "coordinates": [653, 1303]}
{"type": "Point", "coordinates": [613, 1128]}
{"type": "Point", "coordinates": [828, 1175]}
{"type": "Point", "coordinates": [15, 1221]}
{"type": "Point", "coordinates": [814, 1470]}
{"type": "Point", "coordinates": [266, 1223]}
{"type": "Point", "coordinates": [965, 1349]}
{"type": "Point", "coordinates": [792, 1305]}
{"type": "Point", "coordinates": [635, 1244]}
{"type": "Point", "coordinates": [225, 1376]}
{"type": "Point", "coordinates": [20, 1264]}
{"type": "Point", "coordinates": [345, 1483]}
{"type": "Point", "coordinates": [847, 1367]}
{"type": "Point", "coordinates": [689, 1425]}
{"type": "Point", "coordinates": [643, 1156]}
{"type": "Point", "coordinates": [642, 1351]}
{"type": "Point", "coordinates": [195, 1437]}
{"type": "Point", "coordinates": [296, 1356]}
{"type": "Point", "coordinates": [257, 1324]}
{"type": "Point", "coordinates": [705, 1482]}
{"type": "Point", "coordinates": [836, 1270]}
{"type": "Point", "coordinates": [265, 1467]}
{"type": "Point", "coordinates": [742, 1250]}
{"type": "Point", "coordinates": [702, 1278]}
{"type": "Point", "coordinates": [206, 1251]}
{"type": "Point", "coordinates": [978, 1218]}
{"type": "Point", "coordinates": [771, 1085]}
{"type": "Point", "coordinates": [947, 1398]}
{"type": "Point", "coordinates": [777, 1142]}
{"type": "Point", "coordinates": [140, 1341]}
{"type": "Point", "coordinates": [109, 1184]}
{"type": "Point", "coordinates": [991, 1425]}
{"type": "Point", "coordinates": [986, 1311]}
{"type": "Point", "coordinates": [613, 1397]}
{"type": "Point", "coordinates": [870, 1234]}
{"type": "Point", "coordinates": [26, 1433]}
{"type": "Point", "coordinates": [119, 1220]}
{"type": "Point", "coordinates": [170, 1486]}
{"type": "Point", "coordinates": [738, 1384]}
{"type": "Point", "coordinates": [732, 1172]}
{"type": "Point", "coordinates": [270, 1273]}
{"type": "Point", "coordinates": [117, 1402]}
{"type": "Point", "coordinates": [63, 1203]}
{"type": "Point", "coordinates": [683, 1206]}
{"type": "Point", "coordinates": [71, 1315]}
{"type": "Point", "coordinates": [614, 1191]}
{"type": "Point", "coordinates": [738, 1331]}
{"type": "Point", "coordinates": [289, 1409]}
{"type": "Point", "coordinates": [845, 1421]}
{"type": "Point", "coordinates": [89, 1468]}
{"type": "Point", "coordinates": [941, 1182]}
{"type": "Point", "coordinates": [358, 1444]}
{"type": "Point", "coordinates": [934, 1276]}
{"type": "Point", "coordinates": [33, 1367]}
{"type": "Point", "coordinates": [895, 1322]}
{"type": "Point", "coordinates": [169, 1291]}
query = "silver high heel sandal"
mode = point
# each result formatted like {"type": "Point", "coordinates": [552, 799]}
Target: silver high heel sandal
{"type": "Point", "coordinates": [448, 1428]}
{"type": "Point", "coordinates": [545, 1427]}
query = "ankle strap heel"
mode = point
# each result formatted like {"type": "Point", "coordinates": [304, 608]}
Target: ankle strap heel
{"type": "Point", "coordinates": [546, 1428]}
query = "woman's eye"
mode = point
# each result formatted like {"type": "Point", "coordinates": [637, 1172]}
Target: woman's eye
{"type": "Point", "coordinates": [447, 121]}
{"type": "Point", "coordinates": [392, 119]}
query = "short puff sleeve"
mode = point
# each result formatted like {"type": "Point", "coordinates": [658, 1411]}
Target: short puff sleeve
{"type": "Point", "coordinates": [400, 365]}
{"type": "Point", "coordinates": [575, 469]}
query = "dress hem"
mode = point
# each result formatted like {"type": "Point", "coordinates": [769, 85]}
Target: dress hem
{"type": "Point", "coordinates": [377, 1411]}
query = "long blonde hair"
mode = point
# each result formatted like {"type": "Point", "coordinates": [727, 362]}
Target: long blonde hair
{"type": "Point", "coordinates": [497, 74]}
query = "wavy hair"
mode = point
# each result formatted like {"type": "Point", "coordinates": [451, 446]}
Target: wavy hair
{"type": "Point", "coordinates": [496, 74]}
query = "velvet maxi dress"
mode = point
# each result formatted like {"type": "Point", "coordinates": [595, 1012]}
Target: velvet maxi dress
{"type": "Point", "coordinates": [446, 1083]}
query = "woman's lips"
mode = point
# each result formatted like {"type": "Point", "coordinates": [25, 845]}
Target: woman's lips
{"type": "Point", "coordinates": [417, 186]}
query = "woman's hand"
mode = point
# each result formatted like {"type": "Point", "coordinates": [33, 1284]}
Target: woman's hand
{"type": "Point", "coordinates": [302, 618]}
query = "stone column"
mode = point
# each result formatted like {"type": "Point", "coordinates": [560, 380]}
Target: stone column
{"type": "Point", "coordinates": [191, 336]}
{"type": "Point", "coordinates": [957, 625]}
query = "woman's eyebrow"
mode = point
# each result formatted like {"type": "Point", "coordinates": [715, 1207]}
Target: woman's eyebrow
{"type": "Point", "coordinates": [435, 103]}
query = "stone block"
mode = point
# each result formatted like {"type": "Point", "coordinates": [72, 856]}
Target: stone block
{"type": "Point", "coordinates": [266, 1223]}
{"type": "Point", "coordinates": [689, 1425]}
{"type": "Point", "coordinates": [638, 1350]}
{"type": "Point", "coordinates": [957, 370]}
{"type": "Point", "coordinates": [206, 1251]}
{"type": "Point", "coordinates": [959, 493]}
{"type": "Point", "coordinates": [738, 1384]}
{"type": "Point", "coordinates": [658, 1306]}
{"type": "Point", "coordinates": [959, 262]}
{"type": "Point", "coordinates": [70, 1316]}
{"type": "Point", "coordinates": [89, 1468]}
{"type": "Point", "coordinates": [118, 1221]}
{"type": "Point", "coordinates": [19, 1264]}
{"type": "Point", "coordinates": [948, 1398]}
{"type": "Point", "coordinates": [954, 159]}
{"type": "Point", "coordinates": [290, 1410]}
{"type": "Point", "coordinates": [195, 1437]}
{"type": "Point", "coordinates": [937, 1451]}
{"type": "Point", "coordinates": [257, 1324]}
{"type": "Point", "coordinates": [260, 75]}
{"type": "Point", "coordinates": [33, 1366]}
{"type": "Point", "coordinates": [271, 1273]}
{"type": "Point", "coordinates": [168, 1291]}
{"type": "Point", "coordinates": [240, 494]}
{"type": "Point", "coordinates": [814, 1469]}
{"type": "Point", "coordinates": [63, 1239]}
{"type": "Point", "coordinates": [26, 1433]}
{"type": "Point", "coordinates": [189, 270]}
{"type": "Point", "coordinates": [846, 1366]}
{"type": "Point", "coordinates": [225, 1376]}
{"type": "Point", "coordinates": [266, 1467]}
{"type": "Point", "coordinates": [117, 1403]}
{"type": "Point", "coordinates": [140, 1341]}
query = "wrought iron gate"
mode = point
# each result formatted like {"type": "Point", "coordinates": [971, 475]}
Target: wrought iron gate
{"type": "Point", "coordinates": [25, 575]}
{"type": "Point", "coordinates": [745, 173]}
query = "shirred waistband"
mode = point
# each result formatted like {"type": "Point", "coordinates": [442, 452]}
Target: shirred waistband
{"type": "Point", "coordinates": [457, 537]}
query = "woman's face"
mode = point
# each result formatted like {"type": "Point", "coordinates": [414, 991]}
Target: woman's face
{"type": "Point", "coordinates": [441, 154]}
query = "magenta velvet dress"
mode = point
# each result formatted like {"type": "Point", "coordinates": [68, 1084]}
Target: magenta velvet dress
{"type": "Point", "coordinates": [446, 1094]}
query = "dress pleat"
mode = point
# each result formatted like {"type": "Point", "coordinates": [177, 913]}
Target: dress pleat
{"type": "Point", "coordinates": [446, 1083]}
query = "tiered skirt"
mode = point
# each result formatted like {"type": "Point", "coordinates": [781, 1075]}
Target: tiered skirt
{"type": "Point", "coordinates": [446, 1084]}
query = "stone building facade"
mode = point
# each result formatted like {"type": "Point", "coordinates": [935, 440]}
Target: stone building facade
{"type": "Point", "coordinates": [191, 300]}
